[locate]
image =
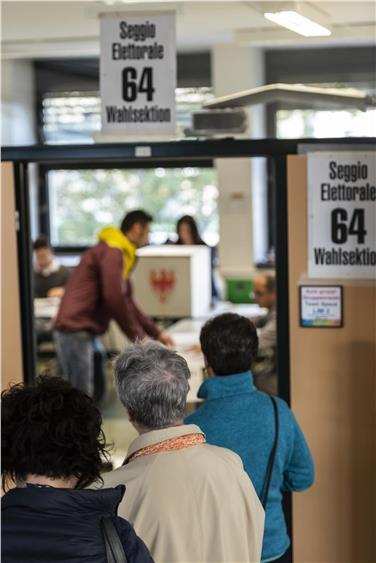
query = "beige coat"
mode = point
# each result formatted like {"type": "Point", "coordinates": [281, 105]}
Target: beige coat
{"type": "Point", "coordinates": [191, 505]}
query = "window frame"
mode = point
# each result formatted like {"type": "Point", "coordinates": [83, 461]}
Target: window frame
{"type": "Point", "coordinates": [44, 211]}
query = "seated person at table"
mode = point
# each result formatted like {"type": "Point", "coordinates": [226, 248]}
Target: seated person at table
{"type": "Point", "coordinates": [188, 233]}
{"type": "Point", "coordinates": [237, 416]}
{"type": "Point", "coordinates": [52, 447]}
{"type": "Point", "coordinates": [265, 365]}
{"type": "Point", "coordinates": [50, 276]}
{"type": "Point", "coordinates": [189, 501]}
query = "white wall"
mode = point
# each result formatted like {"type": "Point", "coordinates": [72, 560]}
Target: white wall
{"type": "Point", "coordinates": [242, 182]}
{"type": "Point", "coordinates": [18, 103]}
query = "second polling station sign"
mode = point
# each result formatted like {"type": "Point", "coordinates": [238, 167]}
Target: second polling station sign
{"type": "Point", "coordinates": [138, 73]}
{"type": "Point", "coordinates": [342, 215]}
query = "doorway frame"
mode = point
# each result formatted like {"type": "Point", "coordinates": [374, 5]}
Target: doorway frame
{"type": "Point", "coordinates": [114, 154]}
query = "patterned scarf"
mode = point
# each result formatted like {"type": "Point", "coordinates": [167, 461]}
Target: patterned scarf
{"type": "Point", "coordinates": [170, 445]}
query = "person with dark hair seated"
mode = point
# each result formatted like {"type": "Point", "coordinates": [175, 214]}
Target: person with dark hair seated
{"type": "Point", "coordinates": [265, 365]}
{"type": "Point", "coordinates": [49, 281]}
{"type": "Point", "coordinates": [50, 277]}
{"type": "Point", "coordinates": [188, 233]}
{"type": "Point", "coordinates": [52, 447]}
{"type": "Point", "coordinates": [261, 429]}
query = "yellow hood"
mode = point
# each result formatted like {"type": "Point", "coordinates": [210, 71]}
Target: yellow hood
{"type": "Point", "coordinates": [116, 239]}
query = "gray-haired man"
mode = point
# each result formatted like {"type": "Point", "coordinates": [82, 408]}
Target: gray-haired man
{"type": "Point", "coordinates": [188, 500]}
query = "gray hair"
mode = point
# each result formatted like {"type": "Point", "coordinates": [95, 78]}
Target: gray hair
{"type": "Point", "coordinates": [152, 383]}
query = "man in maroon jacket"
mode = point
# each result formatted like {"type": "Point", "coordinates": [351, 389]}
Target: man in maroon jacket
{"type": "Point", "coordinates": [99, 290]}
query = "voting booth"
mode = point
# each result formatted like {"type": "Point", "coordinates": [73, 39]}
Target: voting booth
{"type": "Point", "coordinates": [173, 280]}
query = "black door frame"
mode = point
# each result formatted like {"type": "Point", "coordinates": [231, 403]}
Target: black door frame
{"type": "Point", "coordinates": [115, 154]}
{"type": "Point", "coordinates": [127, 153]}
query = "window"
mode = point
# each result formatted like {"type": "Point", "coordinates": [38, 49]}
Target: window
{"type": "Point", "coordinates": [338, 67]}
{"type": "Point", "coordinates": [70, 117]}
{"type": "Point", "coordinates": [75, 117]}
{"type": "Point", "coordinates": [84, 201]}
{"type": "Point", "coordinates": [295, 123]}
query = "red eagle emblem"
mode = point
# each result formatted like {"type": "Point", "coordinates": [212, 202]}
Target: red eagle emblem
{"type": "Point", "coordinates": [162, 283]}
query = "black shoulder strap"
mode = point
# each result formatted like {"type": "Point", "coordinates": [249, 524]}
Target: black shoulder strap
{"type": "Point", "coordinates": [114, 549]}
{"type": "Point", "coordinates": [269, 470]}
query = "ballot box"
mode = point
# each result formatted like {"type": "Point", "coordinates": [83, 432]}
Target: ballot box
{"type": "Point", "coordinates": [173, 280]}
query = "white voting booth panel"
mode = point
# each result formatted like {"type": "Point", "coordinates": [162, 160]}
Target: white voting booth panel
{"type": "Point", "coordinates": [173, 281]}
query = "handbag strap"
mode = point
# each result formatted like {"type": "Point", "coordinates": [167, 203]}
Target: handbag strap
{"type": "Point", "coordinates": [269, 469]}
{"type": "Point", "coordinates": [114, 549]}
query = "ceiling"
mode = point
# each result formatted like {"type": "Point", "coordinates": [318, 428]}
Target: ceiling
{"type": "Point", "coordinates": [54, 28]}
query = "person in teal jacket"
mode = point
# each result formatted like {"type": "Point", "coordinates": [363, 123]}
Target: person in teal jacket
{"type": "Point", "coordinates": [237, 416]}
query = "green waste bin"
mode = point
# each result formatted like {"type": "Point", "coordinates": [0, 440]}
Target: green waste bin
{"type": "Point", "coordinates": [239, 291]}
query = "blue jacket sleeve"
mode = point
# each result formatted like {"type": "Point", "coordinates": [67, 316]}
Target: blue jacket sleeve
{"type": "Point", "coordinates": [134, 548]}
{"type": "Point", "coordinates": [299, 472]}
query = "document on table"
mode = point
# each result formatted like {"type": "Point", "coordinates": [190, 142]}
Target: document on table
{"type": "Point", "coordinates": [185, 341]}
{"type": "Point", "coordinates": [46, 308]}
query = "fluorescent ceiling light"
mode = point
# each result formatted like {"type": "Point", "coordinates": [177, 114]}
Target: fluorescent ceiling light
{"type": "Point", "coordinates": [298, 23]}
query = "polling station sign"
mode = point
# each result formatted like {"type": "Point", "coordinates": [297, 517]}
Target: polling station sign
{"type": "Point", "coordinates": [321, 306]}
{"type": "Point", "coordinates": [342, 215]}
{"type": "Point", "coordinates": [138, 73]}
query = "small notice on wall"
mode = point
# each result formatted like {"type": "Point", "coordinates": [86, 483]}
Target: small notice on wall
{"type": "Point", "coordinates": [138, 74]}
{"type": "Point", "coordinates": [342, 215]}
{"type": "Point", "coordinates": [321, 306]}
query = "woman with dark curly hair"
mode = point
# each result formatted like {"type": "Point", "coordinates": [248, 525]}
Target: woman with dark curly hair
{"type": "Point", "coordinates": [52, 447]}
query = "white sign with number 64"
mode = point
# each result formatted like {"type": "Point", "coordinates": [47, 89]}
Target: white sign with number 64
{"type": "Point", "coordinates": [342, 215]}
{"type": "Point", "coordinates": [138, 74]}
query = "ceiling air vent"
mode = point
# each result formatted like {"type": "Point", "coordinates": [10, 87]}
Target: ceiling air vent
{"type": "Point", "coordinates": [216, 122]}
